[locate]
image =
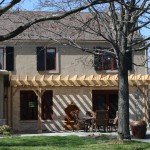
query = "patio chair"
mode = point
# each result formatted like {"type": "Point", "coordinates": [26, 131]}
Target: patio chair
{"type": "Point", "coordinates": [87, 122]}
{"type": "Point", "coordinates": [113, 123]}
{"type": "Point", "coordinates": [102, 120]}
{"type": "Point", "coordinates": [71, 118]}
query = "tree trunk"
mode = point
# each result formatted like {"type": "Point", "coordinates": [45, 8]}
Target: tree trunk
{"type": "Point", "coordinates": [123, 101]}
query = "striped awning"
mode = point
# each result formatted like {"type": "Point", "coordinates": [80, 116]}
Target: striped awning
{"type": "Point", "coordinates": [84, 80]}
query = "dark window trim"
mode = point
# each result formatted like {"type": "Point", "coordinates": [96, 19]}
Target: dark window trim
{"type": "Point", "coordinates": [104, 91]}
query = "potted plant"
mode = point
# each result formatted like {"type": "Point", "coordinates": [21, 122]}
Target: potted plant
{"type": "Point", "coordinates": [139, 126]}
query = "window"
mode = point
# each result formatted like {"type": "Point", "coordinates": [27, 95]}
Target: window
{"type": "Point", "coordinates": [1, 58]}
{"type": "Point", "coordinates": [51, 59]}
{"type": "Point", "coordinates": [29, 105]}
{"type": "Point", "coordinates": [105, 100]}
{"type": "Point", "coordinates": [7, 58]}
{"type": "Point", "coordinates": [105, 61]}
{"type": "Point", "coordinates": [47, 59]}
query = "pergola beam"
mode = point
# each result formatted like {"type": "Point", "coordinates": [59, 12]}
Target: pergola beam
{"type": "Point", "coordinates": [92, 80]}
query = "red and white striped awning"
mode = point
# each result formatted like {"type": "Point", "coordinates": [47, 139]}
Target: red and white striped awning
{"type": "Point", "coordinates": [84, 80]}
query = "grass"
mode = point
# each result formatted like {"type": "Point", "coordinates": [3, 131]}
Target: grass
{"type": "Point", "coordinates": [67, 143]}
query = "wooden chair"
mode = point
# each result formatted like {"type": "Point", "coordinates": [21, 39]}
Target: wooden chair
{"type": "Point", "coordinates": [102, 120]}
{"type": "Point", "coordinates": [71, 118]}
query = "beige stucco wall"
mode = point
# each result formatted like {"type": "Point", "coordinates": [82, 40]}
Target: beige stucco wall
{"type": "Point", "coordinates": [81, 96]}
{"type": "Point", "coordinates": [71, 60]}
{"type": "Point", "coordinates": [139, 59]}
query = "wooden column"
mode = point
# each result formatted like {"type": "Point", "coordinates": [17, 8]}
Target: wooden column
{"type": "Point", "coordinates": [145, 103]}
{"type": "Point", "coordinates": [39, 94]}
{"type": "Point", "coordinates": [39, 114]}
{"type": "Point", "coordinates": [12, 93]}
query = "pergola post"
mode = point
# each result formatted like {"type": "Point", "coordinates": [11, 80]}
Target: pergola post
{"type": "Point", "coordinates": [145, 103]}
{"type": "Point", "coordinates": [39, 94]}
{"type": "Point", "coordinates": [39, 114]}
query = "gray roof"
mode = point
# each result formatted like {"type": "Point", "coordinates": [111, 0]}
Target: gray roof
{"type": "Point", "coordinates": [50, 29]}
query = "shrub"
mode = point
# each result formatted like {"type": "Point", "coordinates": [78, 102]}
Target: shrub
{"type": "Point", "coordinates": [6, 133]}
{"type": "Point", "coordinates": [4, 128]}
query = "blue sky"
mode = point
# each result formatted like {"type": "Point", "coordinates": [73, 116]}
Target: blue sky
{"type": "Point", "coordinates": [28, 4]}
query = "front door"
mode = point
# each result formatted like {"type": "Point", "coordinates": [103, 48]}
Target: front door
{"type": "Point", "coordinates": [105, 100]}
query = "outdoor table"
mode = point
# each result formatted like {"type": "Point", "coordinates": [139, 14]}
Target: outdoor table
{"type": "Point", "coordinates": [89, 122]}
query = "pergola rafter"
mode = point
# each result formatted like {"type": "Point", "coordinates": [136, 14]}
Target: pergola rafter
{"type": "Point", "coordinates": [91, 80]}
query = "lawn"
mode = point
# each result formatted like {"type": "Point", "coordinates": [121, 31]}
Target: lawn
{"type": "Point", "coordinates": [67, 143]}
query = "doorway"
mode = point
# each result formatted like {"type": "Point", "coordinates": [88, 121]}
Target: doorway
{"type": "Point", "coordinates": [105, 100]}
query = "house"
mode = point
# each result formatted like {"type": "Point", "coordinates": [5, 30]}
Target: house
{"type": "Point", "coordinates": [46, 76]}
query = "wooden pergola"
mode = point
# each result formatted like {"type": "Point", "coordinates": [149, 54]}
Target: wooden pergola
{"type": "Point", "coordinates": [60, 80]}
{"type": "Point", "coordinates": [39, 83]}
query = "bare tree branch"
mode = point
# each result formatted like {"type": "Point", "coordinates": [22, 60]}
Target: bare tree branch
{"type": "Point", "coordinates": [2, 2]}
{"type": "Point", "coordinates": [141, 41]}
{"type": "Point", "coordinates": [58, 17]}
{"type": "Point", "coordinates": [7, 7]}
{"type": "Point", "coordinates": [141, 48]}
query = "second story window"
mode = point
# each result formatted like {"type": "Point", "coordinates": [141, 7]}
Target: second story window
{"type": "Point", "coordinates": [47, 59]}
{"type": "Point", "coordinates": [7, 58]}
{"type": "Point", "coordinates": [105, 61]}
{"type": "Point", "coordinates": [50, 58]}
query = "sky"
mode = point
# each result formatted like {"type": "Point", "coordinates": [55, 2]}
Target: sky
{"type": "Point", "coordinates": [28, 4]}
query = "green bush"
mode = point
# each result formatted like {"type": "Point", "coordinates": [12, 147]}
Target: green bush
{"type": "Point", "coordinates": [6, 133]}
{"type": "Point", "coordinates": [4, 128]}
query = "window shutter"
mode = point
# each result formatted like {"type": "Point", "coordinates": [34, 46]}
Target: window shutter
{"type": "Point", "coordinates": [129, 60]}
{"type": "Point", "coordinates": [40, 58]}
{"type": "Point", "coordinates": [10, 58]}
{"type": "Point", "coordinates": [96, 62]}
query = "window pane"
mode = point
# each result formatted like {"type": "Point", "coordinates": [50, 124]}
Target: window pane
{"type": "Point", "coordinates": [51, 59]}
{"type": "Point", "coordinates": [100, 102]}
{"type": "Point", "coordinates": [105, 61]}
{"type": "Point", "coordinates": [1, 58]}
{"type": "Point", "coordinates": [28, 105]}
